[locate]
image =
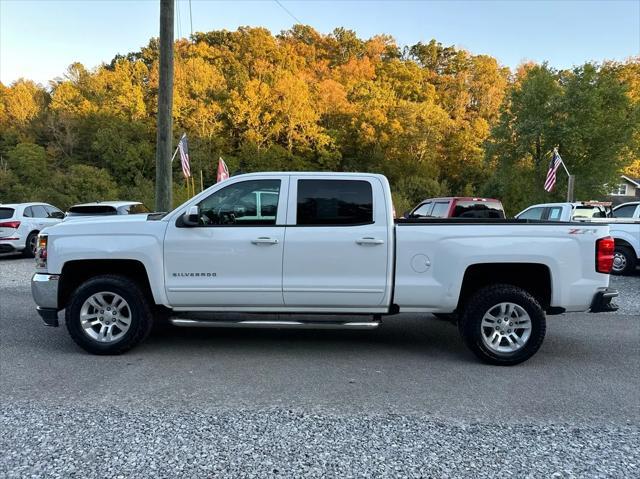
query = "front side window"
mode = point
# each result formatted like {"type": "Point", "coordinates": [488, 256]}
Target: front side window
{"type": "Point", "coordinates": [531, 214]}
{"type": "Point", "coordinates": [422, 211]}
{"type": "Point", "coordinates": [134, 209]}
{"type": "Point", "coordinates": [625, 211]}
{"type": "Point", "coordinates": [53, 212]}
{"type": "Point", "coordinates": [440, 210]}
{"type": "Point", "coordinates": [248, 203]}
{"type": "Point", "coordinates": [39, 211]}
{"type": "Point", "coordinates": [334, 202]}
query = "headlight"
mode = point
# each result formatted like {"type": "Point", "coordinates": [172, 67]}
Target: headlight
{"type": "Point", "coordinates": [41, 251]}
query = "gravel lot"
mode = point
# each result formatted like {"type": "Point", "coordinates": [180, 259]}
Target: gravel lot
{"type": "Point", "coordinates": [406, 400]}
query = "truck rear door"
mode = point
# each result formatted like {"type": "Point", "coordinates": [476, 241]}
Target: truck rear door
{"type": "Point", "coordinates": [338, 244]}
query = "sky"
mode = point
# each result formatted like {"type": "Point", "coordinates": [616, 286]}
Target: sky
{"type": "Point", "coordinates": [39, 39]}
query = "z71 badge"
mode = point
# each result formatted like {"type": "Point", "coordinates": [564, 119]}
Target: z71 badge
{"type": "Point", "coordinates": [582, 231]}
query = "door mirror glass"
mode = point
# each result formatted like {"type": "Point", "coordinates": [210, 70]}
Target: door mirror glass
{"type": "Point", "coordinates": [190, 218]}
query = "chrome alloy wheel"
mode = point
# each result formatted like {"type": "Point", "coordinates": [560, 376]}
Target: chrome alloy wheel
{"type": "Point", "coordinates": [619, 262]}
{"type": "Point", "coordinates": [105, 317]}
{"type": "Point", "coordinates": [506, 328]}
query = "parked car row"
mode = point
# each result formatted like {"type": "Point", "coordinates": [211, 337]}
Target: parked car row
{"type": "Point", "coordinates": [20, 223]}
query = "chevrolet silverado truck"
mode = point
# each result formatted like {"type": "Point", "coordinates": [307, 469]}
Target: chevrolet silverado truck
{"type": "Point", "coordinates": [316, 245]}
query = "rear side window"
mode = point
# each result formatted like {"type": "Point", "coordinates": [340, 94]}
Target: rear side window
{"type": "Point", "coordinates": [334, 202]}
{"type": "Point", "coordinates": [91, 210]}
{"type": "Point", "coordinates": [478, 209]}
{"type": "Point", "coordinates": [27, 213]}
{"type": "Point", "coordinates": [6, 213]}
{"type": "Point", "coordinates": [440, 210]}
{"type": "Point", "coordinates": [555, 213]}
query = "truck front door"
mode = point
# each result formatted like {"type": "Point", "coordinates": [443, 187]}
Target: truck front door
{"type": "Point", "coordinates": [233, 256]}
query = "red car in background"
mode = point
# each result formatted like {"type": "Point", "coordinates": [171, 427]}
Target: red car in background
{"type": "Point", "coordinates": [458, 207]}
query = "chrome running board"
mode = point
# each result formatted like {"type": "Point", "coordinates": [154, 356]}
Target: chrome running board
{"type": "Point", "coordinates": [192, 323]}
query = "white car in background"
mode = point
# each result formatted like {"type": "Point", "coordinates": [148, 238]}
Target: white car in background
{"type": "Point", "coordinates": [624, 225]}
{"type": "Point", "coordinates": [106, 208]}
{"type": "Point", "coordinates": [20, 224]}
{"type": "Point", "coordinates": [629, 210]}
{"type": "Point", "coordinates": [565, 211]}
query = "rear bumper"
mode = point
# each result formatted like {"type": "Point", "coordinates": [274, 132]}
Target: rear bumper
{"type": "Point", "coordinates": [602, 301]}
{"type": "Point", "coordinates": [9, 246]}
{"type": "Point", "coordinates": [44, 288]}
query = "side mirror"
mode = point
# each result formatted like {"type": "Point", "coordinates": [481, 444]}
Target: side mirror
{"type": "Point", "coordinates": [191, 216]}
{"type": "Point", "coordinates": [58, 215]}
{"type": "Point", "coordinates": [406, 214]}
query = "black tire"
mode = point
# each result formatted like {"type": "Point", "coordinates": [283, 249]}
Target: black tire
{"type": "Point", "coordinates": [627, 261]}
{"type": "Point", "coordinates": [482, 302]}
{"type": "Point", "coordinates": [141, 314]}
{"type": "Point", "coordinates": [32, 239]}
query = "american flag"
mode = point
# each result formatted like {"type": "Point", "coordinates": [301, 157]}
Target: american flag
{"type": "Point", "coordinates": [223, 171]}
{"type": "Point", "coordinates": [184, 155]}
{"type": "Point", "coordinates": [555, 163]}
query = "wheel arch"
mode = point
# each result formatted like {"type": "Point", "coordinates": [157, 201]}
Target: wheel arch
{"type": "Point", "coordinates": [535, 278]}
{"type": "Point", "coordinates": [76, 272]}
{"type": "Point", "coordinates": [625, 243]}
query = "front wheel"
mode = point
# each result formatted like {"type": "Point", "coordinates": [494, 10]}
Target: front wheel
{"type": "Point", "coordinates": [503, 325]}
{"type": "Point", "coordinates": [108, 315]}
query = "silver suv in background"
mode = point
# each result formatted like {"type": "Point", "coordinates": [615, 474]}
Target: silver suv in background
{"type": "Point", "coordinates": [20, 224]}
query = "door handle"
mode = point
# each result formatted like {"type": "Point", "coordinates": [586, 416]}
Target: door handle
{"type": "Point", "coordinates": [265, 240]}
{"type": "Point", "coordinates": [369, 240]}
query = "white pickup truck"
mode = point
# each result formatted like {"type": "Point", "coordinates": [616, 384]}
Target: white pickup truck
{"type": "Point", "coordinates": [320, 243]}
{"type": "Point", "coordinates": [624, 226]}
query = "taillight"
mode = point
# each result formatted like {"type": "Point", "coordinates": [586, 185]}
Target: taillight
{"type": "Point", "coordinates": [605, 248]}
{"type": "Point", "coordinates": [41, 251]}
{"type": "Point", "coordinates": [10, 224]}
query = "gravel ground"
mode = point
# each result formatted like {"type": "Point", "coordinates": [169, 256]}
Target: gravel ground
{"type": "Point", "coordinates": [107, 442]}
{"type": "Point", "coordinates": [404, 401]}
{"type": "Point", "coordinates": [629, 299]}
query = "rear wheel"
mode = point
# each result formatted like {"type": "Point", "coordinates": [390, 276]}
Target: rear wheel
{"type": "Point", "coordinates": [31, 244]}
{"type": "Point", "coordinates": [503, 325]}
{"type": "Point", "coordinates": [108, 315]}
{"type": "Point", "coordinates": [624, 261]}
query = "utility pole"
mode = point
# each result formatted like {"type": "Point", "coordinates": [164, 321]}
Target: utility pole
{"type": "Point", "coordinates": [570, 187]}
{"type": "Point", "coordinates": [164, 136]}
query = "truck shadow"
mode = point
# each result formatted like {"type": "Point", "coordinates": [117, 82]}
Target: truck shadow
{"type": "Point", "coordinates": [416, 335]}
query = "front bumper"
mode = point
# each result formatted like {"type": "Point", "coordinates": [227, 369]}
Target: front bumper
{"type": "Point", "coordinates": [44, 288]}
{"type": "Point", "coordinates": [602, 301]}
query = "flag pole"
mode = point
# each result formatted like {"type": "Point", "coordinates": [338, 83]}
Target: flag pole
{"type": "Point", "coordinates": [175, 152]}
{"type": "Point", "coordinates": [571, 178]}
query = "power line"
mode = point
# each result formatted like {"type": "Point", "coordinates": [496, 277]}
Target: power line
{"type": "Point", "coordinates": [287, 11]}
